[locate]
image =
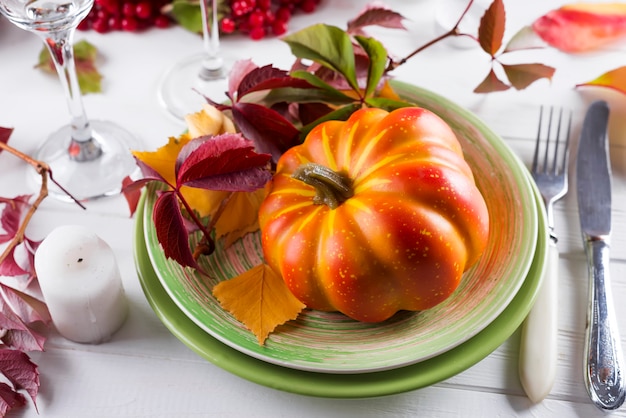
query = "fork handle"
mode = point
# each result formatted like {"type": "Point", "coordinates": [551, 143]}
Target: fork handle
{"type": "Point", "coordinates": [603, 351]}
{"type": "Point", "coordinates": [538, 347]}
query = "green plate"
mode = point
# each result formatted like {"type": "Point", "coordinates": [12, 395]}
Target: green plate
{"type": "Point", "coordinates": [381, 383]}
{"type": "Point", "coordinates": [332, 343]}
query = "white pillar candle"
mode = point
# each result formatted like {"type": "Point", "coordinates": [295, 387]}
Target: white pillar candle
{"type": "Point", "coordinates": [81, 284]}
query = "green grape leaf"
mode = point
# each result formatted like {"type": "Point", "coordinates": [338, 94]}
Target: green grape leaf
{"type": "Point", "coordinates": [377, 55]}
{"type": "Point", "coordinates": [327, 45]}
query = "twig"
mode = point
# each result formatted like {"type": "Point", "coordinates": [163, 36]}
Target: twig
{"type": "Point", "coordinates": [44, 171]}
{"type": "Point", "coordinates": [452, 32]}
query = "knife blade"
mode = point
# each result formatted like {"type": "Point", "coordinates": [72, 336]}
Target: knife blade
{"type": "Point", "coordinates": [603, 359]}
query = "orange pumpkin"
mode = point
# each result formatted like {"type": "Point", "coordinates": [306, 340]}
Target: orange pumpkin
{"type": "Point", "coordinates": [373, 215]}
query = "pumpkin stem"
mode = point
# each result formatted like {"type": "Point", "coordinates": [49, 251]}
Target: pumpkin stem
{"type": "Point", "coordinates": [332, 188]}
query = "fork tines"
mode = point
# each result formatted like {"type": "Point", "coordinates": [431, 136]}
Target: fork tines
{"type": "Point", "coordinates": [556, 135]}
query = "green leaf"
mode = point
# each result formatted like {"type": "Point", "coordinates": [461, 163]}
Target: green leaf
{"type": "Point", "coordinates": [85, 58]}
{"type": "Point", "coordinates": [187, 14]}
{"type": "Point", "coordinates": [523, 75]}
{"type": "Point", "coordinates": [378, 62]}
{"type": "Point", "coordinates": [387, 104]}
{"type": "Point", "coordinates": [295, 95]}
{"type": "Point", "coordinates": [321, 84]}
{"type": "Point", "coordinates": [327, 45]}
{"type": "Point", "coordinates": [342, 113]}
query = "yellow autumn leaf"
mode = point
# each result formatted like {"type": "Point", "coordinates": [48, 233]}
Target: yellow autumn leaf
{"type": "Point", "coordinates": [259, 299]}
{"type": "Point", "coordinates": [240, 216]}
{"type": "Point", "coordinates": [614, 79]}
{"type": "Point", "coordinates": [209, 121]}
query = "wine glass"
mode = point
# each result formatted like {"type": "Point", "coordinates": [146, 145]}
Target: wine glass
{"type": "Point", "coordinates": [89, 159]}
{"type": "Point", "coordinates": [182, 87]}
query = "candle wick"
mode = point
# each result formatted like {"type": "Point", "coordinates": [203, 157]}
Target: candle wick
{"type": "Point", "coordinates": [80, 260]}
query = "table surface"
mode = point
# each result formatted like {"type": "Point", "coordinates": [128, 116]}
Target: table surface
{"type": "Point", "coordinates": [145, 371]}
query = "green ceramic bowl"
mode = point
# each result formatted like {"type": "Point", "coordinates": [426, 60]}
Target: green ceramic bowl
{"type": "Point", "coordinates": [382, 383]}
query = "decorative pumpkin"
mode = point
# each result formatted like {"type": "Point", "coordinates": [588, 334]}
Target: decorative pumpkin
{"type": "Point", "coordinates": [373, 215]}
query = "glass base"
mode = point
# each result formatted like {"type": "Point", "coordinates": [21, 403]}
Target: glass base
{"type": "Point", "coordinates": [88, 180]}
{"type": "Point", "coordinates": [181, 88]}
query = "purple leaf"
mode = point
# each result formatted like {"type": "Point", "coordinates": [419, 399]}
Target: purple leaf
{"type": "Point", "coordinates": [9, 399]}
{"type": "Point", "coordinates": [11, 215]}
{"type": "Point", "coordinates": [5, 133]}
{"type": "Point", "coordinates": [9, 266]}
{"type": "Point", "coordinates": [20, 371]}
{"type": "Point", "coordinates": [148, 172]}
{"type": "Point", "coordinates": [376, 16]}
{"type": "Point", "coordinates": [236, 75]}
{"type": "Point", "coordinates": [170, 228]}
{"type": "Point", "coordinates": [226, 162]}
{"type": "Point", "coordinates": [271, 132]}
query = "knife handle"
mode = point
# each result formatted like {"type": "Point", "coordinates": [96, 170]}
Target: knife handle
{"type": "Point", "coordinates": [603, 361]}
{"type": "Point", "coordinates": [538, 347]}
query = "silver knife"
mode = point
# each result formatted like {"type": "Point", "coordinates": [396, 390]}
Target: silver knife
{"type": "Point", "coordinates": [603, 362]}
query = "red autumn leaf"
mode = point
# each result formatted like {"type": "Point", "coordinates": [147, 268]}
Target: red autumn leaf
{"type": "Point", "coordinates": [5, 133]}
{"type": "Point", "coordinates": [27, 307]}
{"type": "Point", "coordinates": [491, 83]}
{"type": "Point", "coordinates": [272, 133]}
{"type": "Point", "coordinates": [614, 79]}
{"type": "Point", "coordinates": [225, 162]}
{"type": "Point", "coordinates": [268, 78]}
{"type": "Point", "coordinates": [522, 75]}
{"type": "Point", "coordinates": [20, 371]}
{"type": "Point", "coordinates": [18, 334]}
{"type": "Point", "coordinates": [9, 399]}
{"type": "Point", "coordinates": [9, 266]}
{"type": "Point", "coordinates": [376, 16]}
{"type": "Point", "coordinates": [239, 70]}
{"type": "Point", "coordinates": [11, 215]}
{"type": "Point", "coordinates": [582, 27]}
{"type": "Point", "coordinates": [170, 228]}
{"type": "Point", "coordinates": [491, 28]}
{"type": "Point", "coordinates": [131, 194]}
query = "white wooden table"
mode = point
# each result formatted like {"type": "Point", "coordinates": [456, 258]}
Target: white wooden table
{"type": "Point", "coordinates": [145, 371]}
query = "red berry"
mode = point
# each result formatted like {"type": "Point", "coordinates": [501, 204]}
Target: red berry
{"type": "Point", "coordinates": [111, 6]}
{"type": "Point", "coordinates": [129, 24]}
{"type": "Point", "coordinates": [100, 25]}
{"type": "Point", "coordinates": [228, 25]}
{"type": "Point", "coordinates": [308, 6]}
{"type": "Point", "coordinates": [128, 9]}
{"type": "Point", "coordinates": [283, 14]}
{"type": "Point", "coordinates": [162, 22]}
{"type": "Point", "coordinates": [279, 27]}
{"type": "Point", "coordinates": [256, 18]}
{"type": "Point", "coordinates": [115, 22]}
{"type": "Point", "coordinates": [143, 10]}
{"type": "Point", "coordinates": [257, 33]}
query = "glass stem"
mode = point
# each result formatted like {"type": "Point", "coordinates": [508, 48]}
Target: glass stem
{"type": "Point", "coordinates": [212, 65]}
{"type": "Point", "coordinates": [83, 146]}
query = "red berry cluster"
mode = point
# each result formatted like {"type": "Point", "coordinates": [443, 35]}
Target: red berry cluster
{"type": "Point", "coordinates": [259, 18]}
{"type": "Point", "coordinates": [128, 15]}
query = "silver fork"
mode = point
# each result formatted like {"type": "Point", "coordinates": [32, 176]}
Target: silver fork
{"type": "Point", "coordinates": [538, 348]}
